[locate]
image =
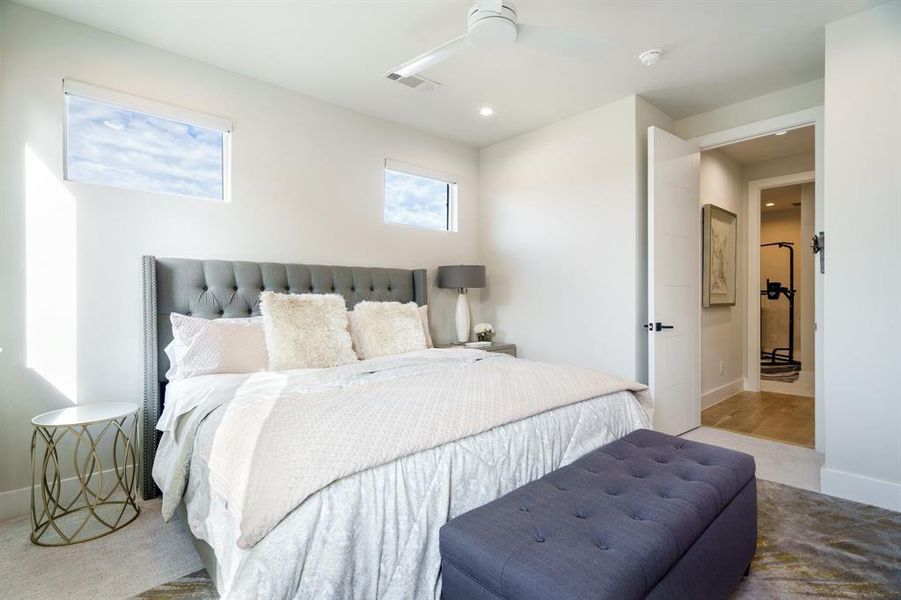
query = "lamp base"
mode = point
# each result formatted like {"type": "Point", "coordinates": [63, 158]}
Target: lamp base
{"type": "Point", "coordinates": [462, 320]}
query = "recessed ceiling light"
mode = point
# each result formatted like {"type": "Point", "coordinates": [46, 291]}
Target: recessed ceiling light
{"type": "Point", "coordinates": [771, 204]}
{"type": "Point", "coordinates": [486, 111]}
{"type": "Point", "coordinates": [650, 57]}
{"type": "Point", "coordinates": [783, 132]}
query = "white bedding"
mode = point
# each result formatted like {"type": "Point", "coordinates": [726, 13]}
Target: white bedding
{"type": "Point", "coordinates": [371, 533]}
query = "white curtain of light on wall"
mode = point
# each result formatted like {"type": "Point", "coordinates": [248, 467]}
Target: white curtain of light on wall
{"type": "Point", "coordinates": [50, 277]}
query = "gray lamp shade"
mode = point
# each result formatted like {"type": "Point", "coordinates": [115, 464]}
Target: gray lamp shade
{"type": "Point", "coordinates": [461, 276]}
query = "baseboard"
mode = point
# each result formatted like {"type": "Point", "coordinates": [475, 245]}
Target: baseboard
{"type": "Point", "coordinates": [876, 492]}
{"type": "Point", "coordinates": [17, 503]}
{"type": "Point", "coordinates": [717, 395]}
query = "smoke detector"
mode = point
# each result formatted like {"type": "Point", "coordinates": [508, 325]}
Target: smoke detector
{"type": "Point", "coordinates": [650, 57]}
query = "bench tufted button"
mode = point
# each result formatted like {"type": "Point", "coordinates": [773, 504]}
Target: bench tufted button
{"type": "Point", "coordinates": [262, 288]}
{"type": "Point", "coordinates": [333, 288]}
{"type": "Point", "coordinates": [580, 516]}
{"type": "Point", "coordinates": [612, 493]}
{"type": "Point", "coordinates": [353, 289]}
{"type": "Point", "coordinates": [188, 313]}
{"type": "Point", "coordinates": [602, 547]}
{"type": "Point", "coordinates": [539, 538]}
{"type": "Point", "coordinates": [235, 288]}
{"type": "Point", "coordinates": [636, 518]}
{"type": "Point", "coordinates": [249, 311]}
{"type": "Point", "coordinates": [204, 288]}
{"type": "Point", "coordinates": [221, 312]}
{"type": "Point", "coordinates": [524, 508]}
{"type": "Point", "coordinates": [389, 288]}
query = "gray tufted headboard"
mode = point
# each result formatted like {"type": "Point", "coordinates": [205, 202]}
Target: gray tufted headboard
{"type": "Point", "coordinates": [219, 288]}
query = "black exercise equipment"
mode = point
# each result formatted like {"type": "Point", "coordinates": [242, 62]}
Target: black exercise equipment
{"type": "Point", "coordinates": [774, 290]}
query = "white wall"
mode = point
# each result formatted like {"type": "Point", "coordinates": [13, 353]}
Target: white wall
{"type": "Point", "coordinates": [787, 165]}
{"type": "Point", "coordinates": [722, 338]}
{"type": "Point", "coordinates": [306, 187]}
{"type": "Point", "coordinates": [563, 235]}
{"type": "Point", "coordinates": [863, 246]}
{"type": "Point", "coordinates": [781, 102]}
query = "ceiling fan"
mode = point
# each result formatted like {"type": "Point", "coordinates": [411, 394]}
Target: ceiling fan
{"type": "Point", "coordinates": [493, 24]}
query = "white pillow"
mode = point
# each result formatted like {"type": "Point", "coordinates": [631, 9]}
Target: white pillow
{"type": "Point", "coordinates": [305, 330]}
{"type": "Point", "coordinates": [206, 346]}
{"type": "Point", "coordinates": [424, 315]}
{"type": "Point", "coordinates": [385, 328]}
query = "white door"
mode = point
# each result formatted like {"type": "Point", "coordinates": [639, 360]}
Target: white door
{"type": "Point", "coordinates": [674, 275]}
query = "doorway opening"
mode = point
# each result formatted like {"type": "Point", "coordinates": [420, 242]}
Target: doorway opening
{"type": "Point", "coordinates": [757, 344]}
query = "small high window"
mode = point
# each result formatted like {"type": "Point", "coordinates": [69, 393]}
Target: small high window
{"type": "Point", "coordinates": [419, 197]}
{"type": "Point", "coordinates": [122, 141]}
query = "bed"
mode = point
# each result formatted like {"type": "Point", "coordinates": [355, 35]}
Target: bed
{"type": "Point", "coordinates": [333, 483]}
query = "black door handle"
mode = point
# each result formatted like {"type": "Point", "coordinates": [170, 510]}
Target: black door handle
{"type": "Point", "coordinates": [660, 326]}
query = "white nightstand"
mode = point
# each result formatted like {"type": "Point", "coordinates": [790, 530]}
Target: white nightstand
{"type": "Point", "coordinates": [97, 499]}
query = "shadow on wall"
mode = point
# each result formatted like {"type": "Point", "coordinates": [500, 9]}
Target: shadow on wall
{"type": "Point", "coordinates": [50, 272]}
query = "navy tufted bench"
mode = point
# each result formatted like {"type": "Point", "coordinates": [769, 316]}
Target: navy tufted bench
{"type": "Point", "coordinates": [649, 515]}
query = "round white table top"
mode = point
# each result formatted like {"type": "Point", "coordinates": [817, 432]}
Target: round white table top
{"type": "Point", "coordinates": [85, 414]}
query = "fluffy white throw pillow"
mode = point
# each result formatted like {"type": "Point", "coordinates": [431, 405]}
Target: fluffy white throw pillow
{"type": "Point", "coordinates": [305, 330]}
{"type": "Point", "coordinates": [424, 315]}
{"type": "Point", "coordinates": [385, 328]}
{"type": "Point", "coordinates": [206, 346]}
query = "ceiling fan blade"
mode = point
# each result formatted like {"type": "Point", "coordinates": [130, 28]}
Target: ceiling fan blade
{"type": "Point", "coordinates": [569, 44]}
{"type": "Point", "coordinates": [430, 58]}
{"type": "Point", "coordinates": [490, 5]}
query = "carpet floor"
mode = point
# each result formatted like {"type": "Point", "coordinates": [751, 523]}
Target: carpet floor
{"type": "Point", "coordinates": [809, 545]}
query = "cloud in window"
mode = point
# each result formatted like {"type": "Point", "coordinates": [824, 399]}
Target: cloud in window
{"type": "Point", "coordinates": [414, 200]}
{"type": "Point", "coordinates": [113, 146]}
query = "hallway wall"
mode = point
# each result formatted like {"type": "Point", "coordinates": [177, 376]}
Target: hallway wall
{"type": "Point", "coordinates": [721, 326]}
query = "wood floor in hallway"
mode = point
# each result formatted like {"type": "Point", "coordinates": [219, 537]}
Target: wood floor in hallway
{"type": "Point", "coordinates": [769, 415]}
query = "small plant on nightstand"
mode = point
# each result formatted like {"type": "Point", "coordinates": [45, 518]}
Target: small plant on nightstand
{"type": "Point", "coordinates": [484, 332]}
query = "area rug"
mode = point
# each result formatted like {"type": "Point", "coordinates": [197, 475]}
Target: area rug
{"type": "Point", "coordinates": [809, 546]}
{"type": "Point", "coordinates": [780, 372]}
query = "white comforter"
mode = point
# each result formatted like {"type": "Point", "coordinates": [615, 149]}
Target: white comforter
{"type": "Point", "coordinates": [373, 531]}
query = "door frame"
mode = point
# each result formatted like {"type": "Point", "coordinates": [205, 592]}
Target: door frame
{"type": "Point", "coordinates": [755, 188]}
{"type": "Point", "coordinates": [809, 116]}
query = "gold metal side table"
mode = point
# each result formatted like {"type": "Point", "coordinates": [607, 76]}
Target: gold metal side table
{"type": "Point", "coordinates": [74, 505]}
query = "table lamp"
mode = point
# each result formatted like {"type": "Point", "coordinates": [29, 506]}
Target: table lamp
{"type": "Point", "coordinates": [462, 277]}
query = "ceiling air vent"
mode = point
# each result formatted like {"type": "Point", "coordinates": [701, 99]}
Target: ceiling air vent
{"type": "Point", "coordinates": [414, 81]}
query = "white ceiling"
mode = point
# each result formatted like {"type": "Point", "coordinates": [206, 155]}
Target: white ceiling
{"type": "Point", "coordinates": [771, 147]}
{"type": "Point", "coordinates": [717, 53]}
